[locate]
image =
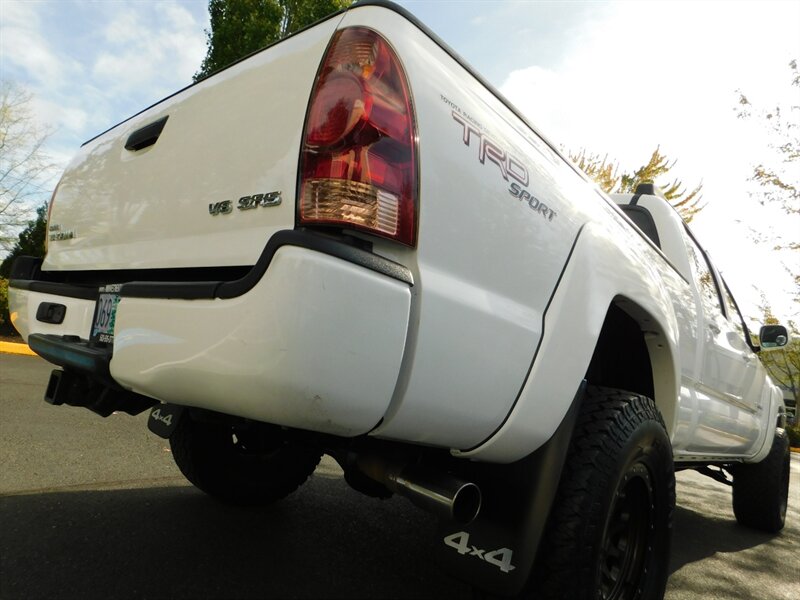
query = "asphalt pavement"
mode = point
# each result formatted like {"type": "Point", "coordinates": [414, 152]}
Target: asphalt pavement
{"type": "Point", "coordinates": [95, 508]}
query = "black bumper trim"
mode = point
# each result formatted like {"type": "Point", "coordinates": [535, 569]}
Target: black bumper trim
{"type": "Point", "coordinates": [231, 289]}
{"type": "Point", "coordinates": [57, 289]}
{"type": "Point", "coordinates": [210, 289]}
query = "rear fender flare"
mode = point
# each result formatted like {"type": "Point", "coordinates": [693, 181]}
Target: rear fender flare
{"type": "Point", "coordinates": [604, 269]}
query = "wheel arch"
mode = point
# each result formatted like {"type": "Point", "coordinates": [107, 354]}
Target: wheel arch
{"type": "Point", "coordinates": [632, 354]}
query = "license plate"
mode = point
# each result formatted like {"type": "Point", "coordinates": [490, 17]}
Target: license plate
{"type": "Point", "coordinates": [105, 313]}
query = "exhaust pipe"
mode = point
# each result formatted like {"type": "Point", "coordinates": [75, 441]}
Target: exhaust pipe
{"type": "Point", "coordinates": [442, 494]}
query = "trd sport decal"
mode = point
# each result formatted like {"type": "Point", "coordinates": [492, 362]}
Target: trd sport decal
{"type": "Point", "coordinates": [510, 167]}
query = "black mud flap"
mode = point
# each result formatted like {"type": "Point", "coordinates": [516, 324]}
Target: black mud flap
{"type": "Point", "coordinates": [164, 419]}
{"type": "Point", "coordinates": [497, 550]}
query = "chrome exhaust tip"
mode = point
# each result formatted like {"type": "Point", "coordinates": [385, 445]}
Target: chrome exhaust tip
{"type": "Point", "coordinates": [442, 494]}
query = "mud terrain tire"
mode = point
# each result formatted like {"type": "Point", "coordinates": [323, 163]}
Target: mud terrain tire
{"type": "Point", "coordinates": [761, 490]}
{"type": "Point", "coordinates": [610, 528]}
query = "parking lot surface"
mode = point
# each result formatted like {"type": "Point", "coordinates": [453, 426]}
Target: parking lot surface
{"type": "Point", "coordinates": [95, 508]}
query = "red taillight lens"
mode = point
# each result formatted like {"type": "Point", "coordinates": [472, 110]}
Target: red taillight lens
{"type": "Point", "coordinates": [358, 163]}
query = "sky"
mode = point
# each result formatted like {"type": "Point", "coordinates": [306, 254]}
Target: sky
{"type": "Point", "coordinates": [616, 78]}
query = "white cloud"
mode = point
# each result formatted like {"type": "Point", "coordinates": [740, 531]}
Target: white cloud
{"type": "Point", "coordinates": [91, 65]}
{"type": "Point", "coordinates": [61, 116]}
{"type": "Point", "coordinates": [167, 44]}
{"type": "Point", "coordinates": [187, 41]}
{"type": "Point", "coordinates": [651, 73]}
{"type": "Point", "coordinates": [18, 13]}
{"type": "Point", "coordinates": [124, 27]}
{"type": "Point", "coordinates": [23, 46]}
{"type": "Point", "coordinates": [180, 18]}
{"type": "Point", "coordinates": [29, 58]}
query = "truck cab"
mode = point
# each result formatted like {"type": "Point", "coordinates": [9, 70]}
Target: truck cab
{"type": "Point", "coordinates": [726, 396]}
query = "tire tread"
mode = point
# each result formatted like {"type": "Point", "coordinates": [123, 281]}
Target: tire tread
{"type": "Point", "coordinates": [607, 420]}
{"type": "Point", "coordinates": [758, 488]}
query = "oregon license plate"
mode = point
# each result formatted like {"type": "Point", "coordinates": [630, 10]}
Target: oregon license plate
{"type": "Point", "coordinates": [105, 313]}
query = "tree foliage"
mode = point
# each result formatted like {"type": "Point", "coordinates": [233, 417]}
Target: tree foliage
{"type": "Point", "coordinates": [607, 174]}
{"type": "Point", "coordinates": [783, 365]}
{"type": "Point", "coordinates": [25, 169]}
{"type": "Point", "coordinates": [30, 242]}
{"type": "Point", "coordinates": [5, 321]}
{"type": "Point", "coordinates": [240, 27]}
{"type": "Point", "coordinates": [778, 179]}
{"type": "Point", "coordinates": [604, 171]}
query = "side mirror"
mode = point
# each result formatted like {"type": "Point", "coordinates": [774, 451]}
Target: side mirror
{"type": "Point", "coordinates": [773, 336]}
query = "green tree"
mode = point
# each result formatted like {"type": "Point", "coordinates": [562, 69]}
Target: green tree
{"type": "Point", "coordinates": [239, 27]}
{"type": "Point", "coordinates": [25, 169]}
{"type": "Point", "coordinates": [783, 365]}
{"type": "Point", "coordinates": [30, 242]}
{"type": "Point", "coordinates": [5, 321]}
{"type": "Point", "coordinates": [606, 173]}
{"type": "Point", "coordinates": [603, 171]}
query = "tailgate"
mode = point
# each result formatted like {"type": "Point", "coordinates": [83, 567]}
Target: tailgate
{"type": "Point", "coordinates": [201, 179]}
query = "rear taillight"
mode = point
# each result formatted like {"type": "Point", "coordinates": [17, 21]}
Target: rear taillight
{"type": "Point", "coordinates": [358, 162]}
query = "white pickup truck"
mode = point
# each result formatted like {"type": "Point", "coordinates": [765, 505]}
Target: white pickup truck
{"type": "Point", "coordinates": [350, 244]}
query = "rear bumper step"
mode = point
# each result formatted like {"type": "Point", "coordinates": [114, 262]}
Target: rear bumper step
{"type": "Point", "coordinates": [85, 380]}
{"type": "Point", "coordinates": [73, 353]}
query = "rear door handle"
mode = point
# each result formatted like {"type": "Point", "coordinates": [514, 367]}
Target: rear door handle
{"type": "Point", "coordinates": [146, 136]}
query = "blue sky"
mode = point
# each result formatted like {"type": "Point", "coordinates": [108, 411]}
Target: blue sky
{"type": "Point", "coordinates": [614, 77]}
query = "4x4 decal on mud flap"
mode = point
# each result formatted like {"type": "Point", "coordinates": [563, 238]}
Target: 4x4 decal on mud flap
{"type": "Point", "coordinates": [164, 419]}
{"type": "Point", "coordinates": [500, 558]}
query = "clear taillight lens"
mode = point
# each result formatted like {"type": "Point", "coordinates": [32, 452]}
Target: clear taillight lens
{"type": "Point", "coordinates": [358, 162]}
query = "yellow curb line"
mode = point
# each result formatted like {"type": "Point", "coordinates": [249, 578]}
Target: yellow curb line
{"type": "Point", "coordinates": [795, 450]}
{"type": "Point", "coordinates": [13, 348]}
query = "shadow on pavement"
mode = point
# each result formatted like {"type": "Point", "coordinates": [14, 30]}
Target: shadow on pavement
{"type": "Point", "coordinates": [698, 536]}
{"type": "Point", "coordinates": [324, 541]}
{"type": "Point", "coordinates": [177, 543]}
{"type": "Point", "coordinates": [714, 557]}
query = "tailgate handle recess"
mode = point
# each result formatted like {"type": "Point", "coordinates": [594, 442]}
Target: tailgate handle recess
{"type": "Point", "coordinates": [146, 136]}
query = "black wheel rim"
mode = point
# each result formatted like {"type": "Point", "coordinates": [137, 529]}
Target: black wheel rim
{"type": "Point", "coordinates": [249, 444]}
{"type": "Point", "coordinates": [627, 541]}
